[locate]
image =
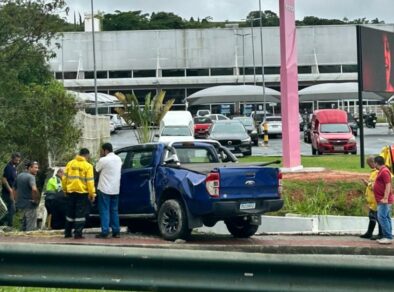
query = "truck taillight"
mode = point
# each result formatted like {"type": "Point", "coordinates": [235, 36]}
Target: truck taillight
{"type": "Point", "coordinates": [280, 183]}
{"type": "Point", "coordinates": [212, 184]}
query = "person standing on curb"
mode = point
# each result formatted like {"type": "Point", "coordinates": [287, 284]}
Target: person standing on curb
{"type": "Point", "coordinates": [27, 196]}
{"type": "Point", "coordinates": [384, 198]}
{"type": "Point", "coordinates": [55, 201]}
{"type": "Point", "coordinates": [78, 185]}
{"type": "Point", "coordinates": [8, 179]}
{"type": "Point", "coordinates": [370, 197]}
{"type": "Point", "coordinates": [109, 168]}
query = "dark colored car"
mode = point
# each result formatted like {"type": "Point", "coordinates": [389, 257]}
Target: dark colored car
{"type": "Point", "coordinates": [231, 134]}
{"type": "Point", "coordinates": [250, 128]}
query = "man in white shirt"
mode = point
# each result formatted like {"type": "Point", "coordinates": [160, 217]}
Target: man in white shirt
{"type": "Point", "coordinates": [109, 168]}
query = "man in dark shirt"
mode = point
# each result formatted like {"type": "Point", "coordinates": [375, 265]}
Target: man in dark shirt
{"type": "Point", "coordinates": [8, 179]}
{"type": "Point", "coordinates": [27, 196]}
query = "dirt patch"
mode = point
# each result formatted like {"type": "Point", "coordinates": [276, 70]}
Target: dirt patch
{"type": "Point", "coordinates": [327, 175]}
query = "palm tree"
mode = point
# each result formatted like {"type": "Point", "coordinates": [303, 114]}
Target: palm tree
{"type": "Point", "coordinates": [145, 118]}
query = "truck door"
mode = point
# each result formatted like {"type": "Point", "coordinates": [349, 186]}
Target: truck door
{"type": "Point", "coordinates": [135, 184]}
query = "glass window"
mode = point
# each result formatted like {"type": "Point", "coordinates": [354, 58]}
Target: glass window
{"type": "Point", "coordinates": [195, 155]}
{"type": "Point", "coordinates": [334, 128]}
{"type": "Point", "coordinates": [222, 71]}
{"type": "Point", "coordinates": [228, 128]}
{"type": "Point", "coordinates": [173, 72]}
{"type": "Point", "coordinates": [176, 131]}
{"type": "Point", "coordinates": [144, 73]}
{"type": "Point", "coordinates": [197, 72]}
{"type": "Point", "coordinates": [330, 69]}
{"type": "Point", "coordinates": [138, 159]}
{"type": "Point", "coordinates": [119, 74]}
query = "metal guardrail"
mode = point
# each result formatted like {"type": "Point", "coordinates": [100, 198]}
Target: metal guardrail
{"type": "Point", "coordinates": [125, 268]}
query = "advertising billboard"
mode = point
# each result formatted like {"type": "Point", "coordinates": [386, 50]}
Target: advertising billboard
{"type": "Point", "coordinates": [377, 60]}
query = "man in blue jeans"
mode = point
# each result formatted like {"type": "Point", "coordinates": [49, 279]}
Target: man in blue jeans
{"type": "Point", "coordinates": [109, 168]}
{"type": "Point", "coordinates": [384, 197]}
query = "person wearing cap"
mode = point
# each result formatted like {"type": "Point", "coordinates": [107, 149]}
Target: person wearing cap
{"type": "Point", "coordinates": [78, 185]}
{"type": "Point", "coordinates": [27, 196]}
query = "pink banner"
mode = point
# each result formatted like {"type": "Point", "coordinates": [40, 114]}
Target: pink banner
{"type": "Point", "coordinates": [289, 85]}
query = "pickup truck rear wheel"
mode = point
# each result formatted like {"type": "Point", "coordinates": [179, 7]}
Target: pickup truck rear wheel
{"type": "Point", "coordinates": [241, 227]}
{"type": "Point", "coordinates": [172, 220]}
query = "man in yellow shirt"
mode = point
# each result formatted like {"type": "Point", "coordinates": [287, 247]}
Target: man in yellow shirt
{"type": "Point", "coordinates": [371, 201]}
{"type": "Point", "coordinates": [78, 185]}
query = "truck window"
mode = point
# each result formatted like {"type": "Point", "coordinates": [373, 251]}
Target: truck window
{"type": "Point", "coordinates": [138, 159]}
{"type": "Point", "coordinates": [195, 155]}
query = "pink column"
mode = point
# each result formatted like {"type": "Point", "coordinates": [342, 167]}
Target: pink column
{"type": "Point", "coordinates": [289, 85]}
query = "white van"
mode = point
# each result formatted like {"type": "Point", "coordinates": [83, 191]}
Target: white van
{"type": "Point", "coordinates": [176, 126]}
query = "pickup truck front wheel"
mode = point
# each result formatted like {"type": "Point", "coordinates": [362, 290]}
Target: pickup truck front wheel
{"type": "Point", "coordinates": [241, 227]}
{"type": "Point", "coordinates": [172, 220]}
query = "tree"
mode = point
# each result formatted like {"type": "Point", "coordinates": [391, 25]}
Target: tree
{"type": "Point", "coordinates": [37, 116]}
{"type": "Point", "coordinates": [165, 20]}
{"type": "Point", "coordinates": [130, 20]}
{"type": "Point", "coordinates": [146, 118]}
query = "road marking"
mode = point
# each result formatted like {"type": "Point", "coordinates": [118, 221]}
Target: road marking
{"type": "Point", "coordinates": [387, 141]}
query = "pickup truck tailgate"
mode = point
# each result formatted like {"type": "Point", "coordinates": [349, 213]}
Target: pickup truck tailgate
{"type": "Point", "coordinates": [248, 182]}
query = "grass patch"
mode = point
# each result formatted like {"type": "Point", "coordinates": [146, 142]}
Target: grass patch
{"type": "Point", "coordinates": [332, 162]}
{"type": "Point", "coordinates": [323, 198]}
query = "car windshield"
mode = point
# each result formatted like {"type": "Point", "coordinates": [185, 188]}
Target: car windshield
{"type": "Point", "coordinates": [232, 128]}
{"type": "Point", "coordinates": [202, 120]}
{"type": "Point", "coordinates": [334, 128]}
{"type": "Point", "coordinates": [176, 131]}
{"type": "Point", "coordinates": [245, 121]}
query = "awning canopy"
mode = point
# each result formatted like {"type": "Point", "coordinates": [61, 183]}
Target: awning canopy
{"type": "Point", "coordinates": [89, 98]}
{"type": "Point", "coordinates": [335, 91]}
{"type": "Point", "coordinates": [233, 93]}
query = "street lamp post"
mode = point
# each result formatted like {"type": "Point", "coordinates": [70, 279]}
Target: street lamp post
{"type": "Point", "coordinates": [94, 62]}
{"type": "Point", "coordinates": [243, 35]}
{"type": "Point", "coordinates": [262, 58]}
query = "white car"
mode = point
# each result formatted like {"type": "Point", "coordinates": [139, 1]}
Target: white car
{"type": "Point", "coordinates": [116, 119]}
{"type": "Point", "coordinates": [274, 125]}
{"type": "Point", "coordinates": [218, 117]}
{"type": "Point", "coordinates": [111, 127]}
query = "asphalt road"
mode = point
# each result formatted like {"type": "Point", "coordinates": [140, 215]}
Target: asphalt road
{"type": "Point", "coordinates": [374, 140]}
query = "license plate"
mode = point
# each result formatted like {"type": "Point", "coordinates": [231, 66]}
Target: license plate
{"type": "Point", "coordinates": [247, 206]}
{"type": "Point", "coordinates": [338, 148]}
{"type": "Point", "coordinates": [231, 148]}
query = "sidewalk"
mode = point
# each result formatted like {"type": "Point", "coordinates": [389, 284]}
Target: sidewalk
{"type": "Point", "coordinates": [275, 244]}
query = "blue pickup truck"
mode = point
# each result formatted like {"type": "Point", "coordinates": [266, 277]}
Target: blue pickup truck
{"type": "Point", "coordinates": [180, 197]}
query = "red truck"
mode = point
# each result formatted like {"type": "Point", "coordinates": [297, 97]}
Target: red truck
{"type": "Point", "coordinates": [330, 133]}
{"type": "Point", "coordinates": [201, 126]}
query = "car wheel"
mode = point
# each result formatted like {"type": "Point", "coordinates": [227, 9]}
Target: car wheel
{"type": "Point", "coordinates": [240, 227]}
{"type": "Point", "coordinates": [256, 142]}
{"type": "Point", "coordinates": [354, 152]}
{"type": "Point", "coordinates": [319, 152]}
{"type": "Point", "coordinates": [247, 153]}
{"type": "Point", "coordinates": [172, 220]}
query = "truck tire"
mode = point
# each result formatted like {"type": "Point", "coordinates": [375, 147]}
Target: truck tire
{"type": "Point", "coordinates": [172, 220]}
{"type": "Point", "coordinates": [240, 228]}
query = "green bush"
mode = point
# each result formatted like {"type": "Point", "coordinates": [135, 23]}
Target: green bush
{"type": "Point", "coordinates": [323, 198]}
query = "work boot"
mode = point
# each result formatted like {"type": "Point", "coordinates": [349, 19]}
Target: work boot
{"type": "Point", "coordinates": [371, 227]}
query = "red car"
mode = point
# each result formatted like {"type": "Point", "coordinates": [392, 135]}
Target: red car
{"type": "Point", "coordinates": [201, 126]}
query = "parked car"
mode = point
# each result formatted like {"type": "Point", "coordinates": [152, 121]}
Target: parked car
{"type": "Point", "coordinates": [117, 120]}
{"type": "Point", "coordinates": [112, 128]}
{"type": "Point", "coordinates": [250, 128]}
{"type": "Point", "coordinates": [330, 132]}
{"type": "Point", "coordinates": [203, 112]}
{"type": "Point", "coordinates": [218, 117]}
{"type": "Point", "coordinates": [233, 135]}
{"type": "Point", "coordinates": [176, 125]}
{"type": "Point", "coordinates": [201, 126]}
{"type": "Point", "coordinates": [274, 125]}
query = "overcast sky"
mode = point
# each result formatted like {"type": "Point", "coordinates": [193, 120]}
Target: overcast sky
{"type": "Point", "coordinates": [238, 9]}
